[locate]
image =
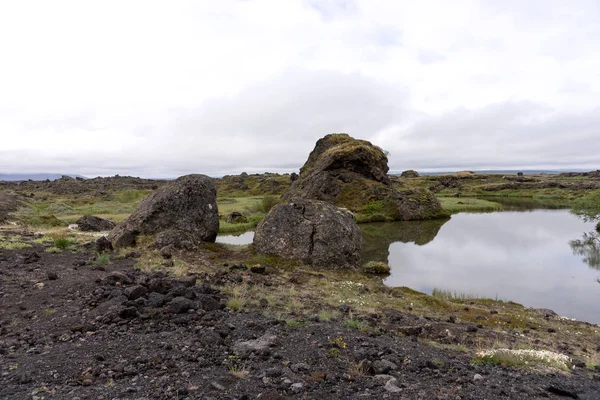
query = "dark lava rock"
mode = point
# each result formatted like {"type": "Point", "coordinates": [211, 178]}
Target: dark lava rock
{"type": "Point", "coordinates": [135, 292]}
{"type": "Point", "coordinates": [91, 223]}
{"type": "Point", "coordinates": [209, 303]}
{"type": "Point", "coordinates": [314, 232]}
{"type": "Point", "coordinates": [352, 173]}
{"type": "Point", "coordinates": [52, 275]}
{"type": "Point", "coordinates": [128, 312]}
{"type": "Point", "coordinates": [156, 300]}
{"type": "Point", "coordinates": [160, 285]}
{"type": "Point", "coordinates": [562, 390]}
{"type": "Point", "coordinates": [410, 330]}
{"type": "Point", "coordinates": [383, 366]}
{"type": "Point", "coordinates": [174, 239]}
{"type": "Point", "coordinates": [188, 281]}
{"type": "Point", "coordinates": [187, 204]}
{"type": "Point", "coordinates": [31, 258]}
{"type": "Point", "coordinates": [258, 269]}
{"type": "Point", "coordinates": [117, 276]}
{"type": "Point", "coordinates": [133, 254]}
{"type": "Point", "coordinates": [103, 245]}
{"type": "Point", "coordinates": [180, 305]}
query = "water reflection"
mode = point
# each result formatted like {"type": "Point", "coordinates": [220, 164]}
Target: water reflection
{"type": "Point", "coordinates": [377, 237]}
{"type": "Point", "coordinates": [525, 257]}
{"type": "Point", "coordinates": [528, 204]}
{"type": "Point", "coordinates": [240, 239]}
{"type": "Point", "coordinates": [589, 248]}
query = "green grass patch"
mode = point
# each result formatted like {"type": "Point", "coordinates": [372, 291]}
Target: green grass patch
{"type": "Point", "coordinates": [102, 259]}
{"type": "Point", "coordinates": [296, 323]}
{"type": "Point", "coordinates": [452, 295]}
{"type": "Point", "coordinates": [13, 243]}
{"type": "Point", "coordinates": [462, 204]}
{"type": "Point", "coordinates": [523, 359]}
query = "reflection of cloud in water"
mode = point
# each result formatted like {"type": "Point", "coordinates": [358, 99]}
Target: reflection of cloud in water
{"type": "Point", "coordinates": [242, 238]}
{"type": "Point", "coordinates": [523, 257]}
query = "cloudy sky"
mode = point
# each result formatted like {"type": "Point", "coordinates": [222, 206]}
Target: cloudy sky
{"type": "Point", "coordinates": [164, 88]}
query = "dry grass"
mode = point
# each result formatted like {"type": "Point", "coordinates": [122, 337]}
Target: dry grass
{"type": "Point", "coordinates": [239, 372]}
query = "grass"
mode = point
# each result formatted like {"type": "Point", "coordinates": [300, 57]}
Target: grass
{"type": "Point", "coordinates": [523, 358]}
{"type": "Point", "coordinates": [62, 240]}
{"type": "Point", "coordinates": [239, 372]}
{"type": "Point", "coordinates": [50, 210]}
{"type": "Point", "coordinates": [296, 323]}
{"type": "Point", "coordinates": [13, 243]}
{"type": "Point", "coordinates": [452, 295]}
{"type": "Point", "coordinates": [237, 297]}
{"type": "Point", "coordinates": [102, 259]}
{"type": "Point", "coordinates": [376, 267]}
{"type": "Point", "coordinates": [49, 312]}
{"type": "Point", "coordinates": [461, 204]}
{"type": "Point", "coordinates": [253, 220]}
{"type": "Point", "coordinates": [358, 369]}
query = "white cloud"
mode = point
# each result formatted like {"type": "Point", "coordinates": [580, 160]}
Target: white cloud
{"type": "Point", "coordinates": [162, 88]}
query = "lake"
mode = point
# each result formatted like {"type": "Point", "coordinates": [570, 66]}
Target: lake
{"type": "Point", "coordinates": [545, 258]}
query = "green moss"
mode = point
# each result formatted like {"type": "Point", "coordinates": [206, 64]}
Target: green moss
{"type": "Point", "coordinates": [47, 221]}
{"type": "Point", "coordinates": [461, 204]}
{"type": "Point", "coordinates": [375, 267]}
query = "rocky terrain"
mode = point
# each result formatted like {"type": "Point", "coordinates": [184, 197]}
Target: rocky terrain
{"type": "Point", "coordinates": [69, 185]}
{"type": "Point", "coordinates": [8, 204]}
{"type": "Point", "coordinates": [156, 310]}
{"type": "Point", "coordinates": [72, 328]}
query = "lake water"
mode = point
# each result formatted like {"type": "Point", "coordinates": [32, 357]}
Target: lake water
{"type": "Point", "coordinates": [241, 238]}
{"type": "Point", "coordinates": [545, 258]}
{"type": "Point", "coordinates": [537, 258]}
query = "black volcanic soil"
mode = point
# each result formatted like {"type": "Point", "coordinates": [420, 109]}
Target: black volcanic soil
{"type": "Point", "coordinates": [71, 330]}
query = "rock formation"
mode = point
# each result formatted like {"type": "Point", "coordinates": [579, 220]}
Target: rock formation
{"type": "Point", "coordinates": [314, 232]}
{"type": "Point", "coordinates": [184, 208]}
{"type": "Point", "coordinates": [352, 173]}
{"type": "Point", "coordinates": [91, 223]}
{"type": "Point", "coordinates": [409, 173]}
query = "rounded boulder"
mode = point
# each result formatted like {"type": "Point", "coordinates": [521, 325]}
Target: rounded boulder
{"type": "Point", "coordinates": [311, 231]}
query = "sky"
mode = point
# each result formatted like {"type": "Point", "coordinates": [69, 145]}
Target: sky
{"type": "Point", "coordinates": [166, 88]}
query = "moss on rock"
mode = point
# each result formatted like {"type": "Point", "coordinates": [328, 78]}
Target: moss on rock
{"type": "Point", "coordinates": [352, 173]}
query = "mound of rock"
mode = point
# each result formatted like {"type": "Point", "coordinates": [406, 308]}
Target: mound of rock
{"type": "Point", "coordinates": [352, 173]}
{"type": "Point", "coordinates": [409, 173]}
{"type": "Point", "coordinates": [91, 223]}
{"type": "Point", "coordinates": [184, 208]}
{"type": "Point", "coordinates": [314, 232]}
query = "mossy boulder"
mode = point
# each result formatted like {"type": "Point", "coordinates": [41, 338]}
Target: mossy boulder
{"type": "Point", "coordinates": [187, 205]}
{"type": "Point", "coordinates": [409, 173]}
{"type": "Point", "coordinates": [352, 174]}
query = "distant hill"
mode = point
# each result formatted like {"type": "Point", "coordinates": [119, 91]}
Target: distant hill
{"type": "Point", "coordinates": [35, 177]}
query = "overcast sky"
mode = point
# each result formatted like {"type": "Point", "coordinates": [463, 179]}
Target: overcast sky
{"type": "Point", "coordinates": [165, 88]}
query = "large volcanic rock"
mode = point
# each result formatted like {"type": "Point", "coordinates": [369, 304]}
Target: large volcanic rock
{"type": "Point", "coordinates": [352, 173]}
{"type": "Point", "coordinates": [314, 232]}
{"type": "Point", "coordinates": [187, 205]}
